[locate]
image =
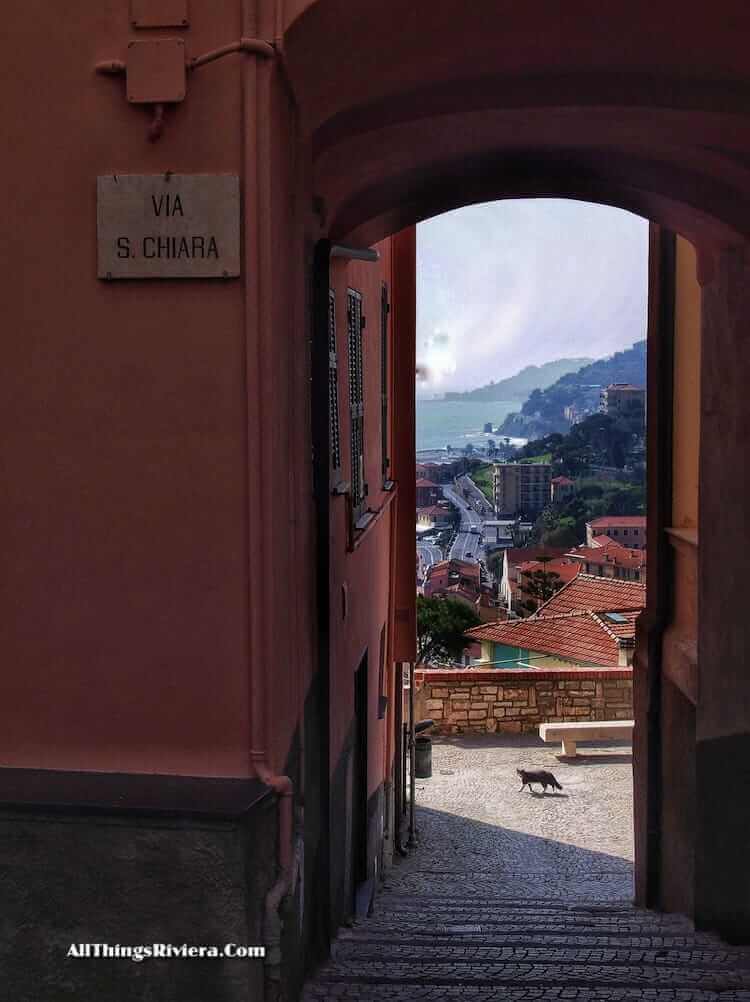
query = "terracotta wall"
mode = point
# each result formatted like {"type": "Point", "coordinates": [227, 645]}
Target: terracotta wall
{"type": "Point", "coordinates": [687, 382]}
{"type": "Point", "coordinates": [361, 569]}
{"type": "Point", "coordinates": [124, 443]}
{"type": "Point", "coordinates": [680, 636]}
{"type": "Point", "coordinates": [722, 718]}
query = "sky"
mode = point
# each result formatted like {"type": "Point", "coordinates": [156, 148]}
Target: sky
{"type": "Point", "coordinates": [519, 282]}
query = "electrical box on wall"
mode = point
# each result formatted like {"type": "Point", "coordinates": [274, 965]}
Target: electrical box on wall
{"type": "Point", "coordinates": [156, 71]}
{"type": "Point", "coordinates": [159, 14]}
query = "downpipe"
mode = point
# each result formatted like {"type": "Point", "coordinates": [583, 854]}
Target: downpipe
{"type": "Point", "coordinates": [257, 226]}
{"type": "Point", "coordinates": [272, 921]}
{"type": "Point", "coordinates": [412, 843]}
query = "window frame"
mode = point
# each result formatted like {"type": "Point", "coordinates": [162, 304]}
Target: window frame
{"type": "Point", "coordinates": [355, 325]}
{"type": "Point", "coordinates": [385, 309]}
{"type": "Point", "coordinates": [334, 416]}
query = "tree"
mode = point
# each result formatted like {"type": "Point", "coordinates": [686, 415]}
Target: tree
{"type": "Point", "coordinates": [562, 534]}
{"type": "Point", "coordinates": [541, 585]}
{"type": "Point", "coordinates": [441, 625]}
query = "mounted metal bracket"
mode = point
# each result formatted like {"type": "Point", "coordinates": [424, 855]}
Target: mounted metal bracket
{"type": "Point", "coordinates": [156, 71]}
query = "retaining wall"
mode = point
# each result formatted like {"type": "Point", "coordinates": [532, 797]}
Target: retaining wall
{"type": "Point", "coordinates": [516, 700]}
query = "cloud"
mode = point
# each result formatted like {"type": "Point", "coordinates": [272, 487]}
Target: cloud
{"type": "Point", "coordinates": [519, 282]}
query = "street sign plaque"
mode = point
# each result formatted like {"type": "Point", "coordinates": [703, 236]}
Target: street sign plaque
{"type": "Point", "coordinates": [168, 226]}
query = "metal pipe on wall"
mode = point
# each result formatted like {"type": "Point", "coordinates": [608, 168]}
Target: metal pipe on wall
{"type": "Point", "coordinates": [398, 758]}
{"type": "Point", "coordinates": [412, 762]}
{"type": "Point", "coordinates": [257, 225]}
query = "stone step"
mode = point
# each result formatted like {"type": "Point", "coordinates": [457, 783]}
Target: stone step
{"type": "Point", "coordinates": [438, 908]}
{"type": "Point", "coordinates": [543, 901]}
{"type": "Point", "coordinates": [503, 935]}
{"type": "Point", "coordinates": [532, 975]}
{"type": "Point", "coordinates": [470, 993]}
{"type": "Point", "coordinates": [430, 902]}
{"type": "Point", "coordinates": [469, 900]}
{"type": "Point", "coordinates": [563, 888]}
{"type": "Point", "coordinates": [514, 938]}
{"type": "Point", "coordinates": [441, 921]}
{"type": "Point", "coordinates": [448, 951]}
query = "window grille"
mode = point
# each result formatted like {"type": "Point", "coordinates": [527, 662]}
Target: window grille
{"type": "Point", "coordinates": [355, 324]}
{"type": "Point", "coordinates": [333, 389]}
{"type": "Point", "coordinates": [385, 309]}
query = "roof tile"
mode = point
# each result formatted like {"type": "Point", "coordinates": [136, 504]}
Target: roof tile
{"type": "Point", "coordinates": [594, 594]}
{"type": "Point", "coordinates": [576, 636]}
{"type": "Point", "coordinates": [639, 521]}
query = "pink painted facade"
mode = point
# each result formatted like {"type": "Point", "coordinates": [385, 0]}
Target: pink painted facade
{"type": "Point", "coordinates": [182, 595]}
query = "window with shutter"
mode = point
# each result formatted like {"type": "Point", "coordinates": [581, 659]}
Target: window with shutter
{"type": "Point", "coordinates": [356, 401]}
{"type": "Point", "coordinates": [385, 309]}
{"type": "Point", "coordinates": [333, 392]}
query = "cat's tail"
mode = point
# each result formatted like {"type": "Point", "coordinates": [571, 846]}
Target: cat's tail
{"type": "Point", "coordinates": [556, 785]}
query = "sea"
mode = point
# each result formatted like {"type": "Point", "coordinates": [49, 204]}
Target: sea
{"type": "Point", "coordinates": [458, 423]}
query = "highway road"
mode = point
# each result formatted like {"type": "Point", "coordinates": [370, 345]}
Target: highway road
{"type": "Point", "coordinates": [428, 555]}
{"type": "Point", "coordinates": [468, 544]}
{"type": "Point", "coordinates": [475, 497]}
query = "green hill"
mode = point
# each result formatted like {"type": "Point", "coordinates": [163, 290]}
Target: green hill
{"type": "Point", "coordinates": [543, 412]}
{"type": "Point", "coordinates": [518, 387]}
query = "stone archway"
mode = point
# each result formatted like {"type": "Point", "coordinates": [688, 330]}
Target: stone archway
{"type": "Point", "coordinates": [408, 113]}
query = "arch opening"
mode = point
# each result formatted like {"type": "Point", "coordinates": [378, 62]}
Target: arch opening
{"type": "Point", "coordinates": [640, 109]}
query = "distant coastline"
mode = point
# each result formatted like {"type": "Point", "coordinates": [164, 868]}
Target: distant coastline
{"type": "Point", "coordinates": [521, 384]}
{"type": "Point", "coordinates": [458, 423]}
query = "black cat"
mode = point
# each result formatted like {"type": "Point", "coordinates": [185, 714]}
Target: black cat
{"type": "Point", "coordinates": [545, 779]}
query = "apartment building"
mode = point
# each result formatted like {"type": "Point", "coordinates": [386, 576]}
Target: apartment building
{"type": "Point", "coordinates": [561, 489]}
{"type": "Point", "coordinates": [627, 530]}
{"type": "Point", "coordinates": [521, 488]}
{"type": "Point", "coordinates": [428, 493]}
{"type": "Point", "coordinates": [623, 400]}
{"type": "Point", "coordinates": [611, 560]}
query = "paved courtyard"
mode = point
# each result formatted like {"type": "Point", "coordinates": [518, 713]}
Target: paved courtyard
{"type": "Point", "coordinates": [475, 826]}
{"type": "Point", "coordinates": [516, 896]}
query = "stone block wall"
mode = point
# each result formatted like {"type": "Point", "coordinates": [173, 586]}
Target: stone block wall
{"type": "Point", "coordinates": [517, 701]}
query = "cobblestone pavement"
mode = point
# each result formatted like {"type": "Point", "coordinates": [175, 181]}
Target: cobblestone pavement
{"type": "Point", "coordinates": [519, 896]}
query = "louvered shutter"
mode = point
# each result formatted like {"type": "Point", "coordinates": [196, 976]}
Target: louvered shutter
{"type": "Point", "coordinates": [385, 309]}
{"type": "Point", "coordinates": [333, 391]}
{"type": "Point", "coordinates": [356, 401]}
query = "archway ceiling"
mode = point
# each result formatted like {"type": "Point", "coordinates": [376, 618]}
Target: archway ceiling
{"type": "Point", "coordinates": [414, 109]}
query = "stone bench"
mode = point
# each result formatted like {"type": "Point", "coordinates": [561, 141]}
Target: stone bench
{"type": "Point", "coordinates": [585, 730]}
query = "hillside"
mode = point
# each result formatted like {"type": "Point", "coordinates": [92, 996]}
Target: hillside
{"type": "Point", "coordinates": [518, 387]}
{"type": "Point", "coordinates": [543, 412]}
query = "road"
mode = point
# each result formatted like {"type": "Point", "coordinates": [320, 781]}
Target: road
{"type": "Point", "coordinates": [475, 497]}
{"type": "Point", "coordinates": [468, 544]}
{"type": "Point", "coordinates": [428, 555]}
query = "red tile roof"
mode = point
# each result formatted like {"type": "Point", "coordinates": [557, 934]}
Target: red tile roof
{"type": "Point", "coordinates": [575, 636]}
{"type": "Point", "coordinates": [605, 521]}
{"type": "Point", "coordinates": [461, 592]}
{"type": "Point", "coordinates": [594, 594]}
{"type": "Point", "coordinates": [519, 555]}
{"type": "Point", "coordinates": [610, 553]}
{"type": "Point", "coordinates": [452, 574]}
{"type": "Point", "coordinates": [566, 570]}
{"type": "Point", "coordinates": [622, 623]}
{"type": "Point", "coordinates": [564, 481]}
{"type": "Point", "coordinates": [463, 567]}
{"type": "Point", "coordinates": [433, 510]}
{"type": "Point", "coordinates": [425, 483]}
